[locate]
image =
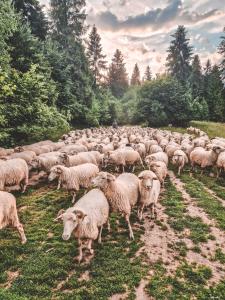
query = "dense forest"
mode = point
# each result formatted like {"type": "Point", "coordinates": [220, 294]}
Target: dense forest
{"type": "Point", "coordinates": [54, 75]}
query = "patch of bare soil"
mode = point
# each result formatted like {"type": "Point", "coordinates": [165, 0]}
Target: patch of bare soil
{"type": "Point", "coordinates": [11, 276]}
{"type": "Point", "coordinates": [140, 291]}
{"type": "Point", "coordinates": [119, 296]}
{"type": "Point", "coordinates": [157, 241]}
{"type": "Point", "coordinates": [62, 283]}
{"type": "Point", "coordinates": [84, 276]}
{"type": "Point", "coordinates": [207, 249]}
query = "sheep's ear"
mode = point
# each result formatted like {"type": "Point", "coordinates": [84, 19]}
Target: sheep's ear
{"type": "Point", "coordinates": [59, 215]}
{"type": "Point", "coordinates": [74, 152]}
{"type": "Point", "coordinates": [59, 170]}
{"type": "Point", "coordinates": [140, 176]}
{"type": "Point", "coordinates": [80, 214]}
{"type": "Point", "coordinates": [110, 177]}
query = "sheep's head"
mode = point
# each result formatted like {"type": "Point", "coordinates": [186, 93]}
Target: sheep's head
{"type": "Point", "coordinates": [55, 172]}
{"type": "Point", "coordinates": [103, 179]}
{"type": "Point", "coordinates": [71, 219]}
{"type": "Point", "coordinates": [18, 149]}
{"type": "Point", "coordinates": [149, 159]}
{"type": "Point", "coordinates": [147, 178]}
{"type": "Point", "coordinates": [35, 163]}
{"type": "Point", "coordinates": [218, 149]}
{"type": "Point", "coordinates": [64, 157]}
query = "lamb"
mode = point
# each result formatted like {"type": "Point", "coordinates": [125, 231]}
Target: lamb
{"type": "Point", "coordinates": [123, 157]}
{"type": "Point", "coordinates": [14, 172]}
{"type": "Point", "coordinates": [149, 188]}
{"type": "Point", "coordinates": [84, 219]}
{"type": "Point", "coordinates": [78, 159]}
{"type": "Point", "coordinates": [121, 192]}
{"type": "Point", "coordinates": [179, 159]}
{"type": "Point", "coordinates": [73, 178]}
{"type": "Point", "coordinates": [160, 170]}
{"type": "Point", "coordinates": [8, 214]}
{"type": "Point", "coordinates": [159, 156]}
{"type": "Point", "coordinates": [204, 158]}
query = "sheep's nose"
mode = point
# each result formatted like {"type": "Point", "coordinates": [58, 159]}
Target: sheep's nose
{"type": "Point", "coordinates": [65, 237]}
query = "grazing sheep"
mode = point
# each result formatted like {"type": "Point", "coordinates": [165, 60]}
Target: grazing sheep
{"type": "Point", "coordinates": [78, 159]}
{"type": "Point", "coordinates": [140, 148]}
{"type": "Point", "coordinates": [160, 170]}
{"type": "Point", "coordinates": [14, 172]}
{"type": "Point", "coordinates": [84, 219]}
{"type": "Point", "coordinates": [220, 163]}
{"type": "Point", "coordinates": [179, 159]}
{"type": "Point", "coordinates": [159, 156]}
{"type": "Point", "coordinates": [8, 214]}
{"type": "Point", "coordinates": [204, 158]}
{"type": "Point", "coordinates": [46, 161]}
{"type": "Point", "coordinates": [121, 192]}
{"type": "Point", "coordinates": [149, 188]}
{"type": "Point", "coordinates": [123, 157]}
{"type": "Point", "coordinates": [73, 178]}
{"type": "Point", "coordinates": [27, 155]}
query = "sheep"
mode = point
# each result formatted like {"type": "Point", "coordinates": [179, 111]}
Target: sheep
{"type": "Point", "coordinates": [78, 159]}
{"type": "Point", "coordinates": [46, 161]}
{"type": "Point", "coordinates": [149, 188]}
{"type": "Point", "coordinates": [123, 157]}
{"type": "Point", "coordinates": [220, 163]}
{"type": "Point", "coordinates": [14, 172]}
{"type": "Point", "coordinates": [204, 158]}
{"type": "Point", "coordinates": [121, 192]}
{"type": "Point", "coordinates": [8, 214]}
{"type": "Point", "coordinates": [160, 170]}
{"type": "Point", "coordinates": [141, 149]}
{"type": "Point", "coordinates": [5, 152]}
{"type": "Point", "coordinates": [73, 178]}
{"type": "Point", "coordinates": [155, 149]}
{"type": "Point", "coordinates": [73, 149]}
{"type": "Point", "coordinates": [159, 156]}
{"type": "Point", "coordinates": [84, 219]}
{"type": "Point", "coordinates": [179, 159]}
{"type": "Point", "coordinates": [27, 155]}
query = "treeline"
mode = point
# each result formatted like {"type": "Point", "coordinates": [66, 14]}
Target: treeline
{"type": "Point", "coordinates": [54, 76]}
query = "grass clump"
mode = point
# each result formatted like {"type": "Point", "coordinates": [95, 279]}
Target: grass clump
{"type": "Point", "coordinates": [220, 256]}
{"type": "Point", "coordinates": [178, 217]}
{"type": "Point", "coordinates": [210, 204]}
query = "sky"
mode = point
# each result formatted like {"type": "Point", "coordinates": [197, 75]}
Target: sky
{"type": "Point", "coordinates": [142, 29]}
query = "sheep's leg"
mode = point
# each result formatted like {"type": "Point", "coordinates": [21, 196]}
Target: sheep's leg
{"type": "Point", "coordinates": [80, 256]}
{"type": "Point", "coordinates": [108, 226]}
{"type": "Point", "coordinates": [133, 169]}
{"type": "Point", "coordinates": [20, 229]}
{"type": "Point", "coordinates": [23, 185]}
{"type": "Point", "coordinates": [153, 211]}
{"type": "Point", "coordinates": [140, 212]}
{"type": "Point", "coordinates": [90, 247]}
{"type": "Point", "coordinates": [122, 168]}
{"type": "Point", "coordinates": [218, 172]}
{"type": "Point", "coordinates": [59, 184]}
{"type": "Point", "coordinates": [179, 170]}
{"type": "Point", "coordinates": [100, 235]}
{"type": "Point", "coordinates": [74, 197]}
{"type": "Point", "coordinates": [127, 218]}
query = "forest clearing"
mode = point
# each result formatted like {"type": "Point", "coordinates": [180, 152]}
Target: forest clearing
{"type": "Point", "coordinates": [178, 255]}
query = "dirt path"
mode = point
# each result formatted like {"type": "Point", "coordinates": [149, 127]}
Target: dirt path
{"type": "Point", "coordinates": [207, 249]}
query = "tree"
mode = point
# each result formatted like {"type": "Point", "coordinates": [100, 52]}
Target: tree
{"type": "Point", "coordinates": [221, 50]}
{"type": "Point", "coordinates": [32, 12]}
{"type": "Point", "coordinates": [148, 74]}
{"type": "Point", "coordinates": [96, 58]}
{"type": "Point", "coordinates": [117, 75]}
{"type": "Point", "coordinates": [196, 78]}
{"type": "Point", "coordinates": [136, 78]}
{"type": "Point", "coordinates": [180, 53]}
{"type": "Point", "coordinates": [163, 101]}
{"type": "Point", "coordinates": [67, 20]}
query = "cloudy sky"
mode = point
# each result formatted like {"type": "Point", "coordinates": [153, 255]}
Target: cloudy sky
{"type": "Point", "coordinates": [142, 29]}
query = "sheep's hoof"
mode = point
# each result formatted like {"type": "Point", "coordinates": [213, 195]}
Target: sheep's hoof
{"type": "Point", "coordinates": [23, 241]}
{"type": "Point", "coordinates": [91, 251]}
{"type": "Point", "coordinates": [131, 236]}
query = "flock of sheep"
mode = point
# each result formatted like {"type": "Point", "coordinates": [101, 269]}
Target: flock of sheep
{"type": "Point", "coordinates": [80, 160]}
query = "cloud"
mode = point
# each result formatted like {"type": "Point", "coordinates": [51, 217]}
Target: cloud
{"type": "Point", "coordinates": [173, 12]}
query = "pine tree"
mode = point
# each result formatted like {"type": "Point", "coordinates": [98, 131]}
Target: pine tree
{"type": "Point", "coordinates": [196, 78]}
{"type": "Point", "coordinates": [67, 20]}
{"type": "Point", "coordinates": [148, 74]}
{"type": "Point", "coordinates": [96, 58]}
{"type": "Point", "coordinates": [136, 78]}
{"type": "Point", "coordinates": [222, 52]}
{"type": "Point", "coordinates": [180, 52]}
{"type": "Point", "coordinates": [32, 12]}
{"type": "Point", "coordinates": [117, 75]}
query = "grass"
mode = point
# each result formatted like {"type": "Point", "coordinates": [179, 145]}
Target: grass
{"type": "Point", "coordinates": [178, 217]}
{"type": "Point", "coordinates": [189, 282]}
{"type": "Point", "coordinates": [209, 203]}
{"type": "Point", "coordinates": [46, 260]}
{"type": "Point", "coordinates": [213, 129]}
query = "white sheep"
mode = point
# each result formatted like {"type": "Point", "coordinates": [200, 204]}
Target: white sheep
{"type": "Point", "coordinates": [160, 170]}
{"type": "Point", "coordinates": [84, 219]}
{"type": "Point", "coordinates": [159, 156]}
{"type": "Point", "coordinates": [220, 163]}
{"type": "Point", "coordinates": [122, 193]}
{"type": "Point", "coordinates": [8, 214]}
{"type": "Point", "coordinates": [14, 172]}
{"type": "Point", "coordinates": [74, 177]}
{"type": "Point", "coordinates": [179, 159]}
{"type": "Point", "coordinates": [149, 188]}
{"type": "Point", "coordinates": [78, 159]}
